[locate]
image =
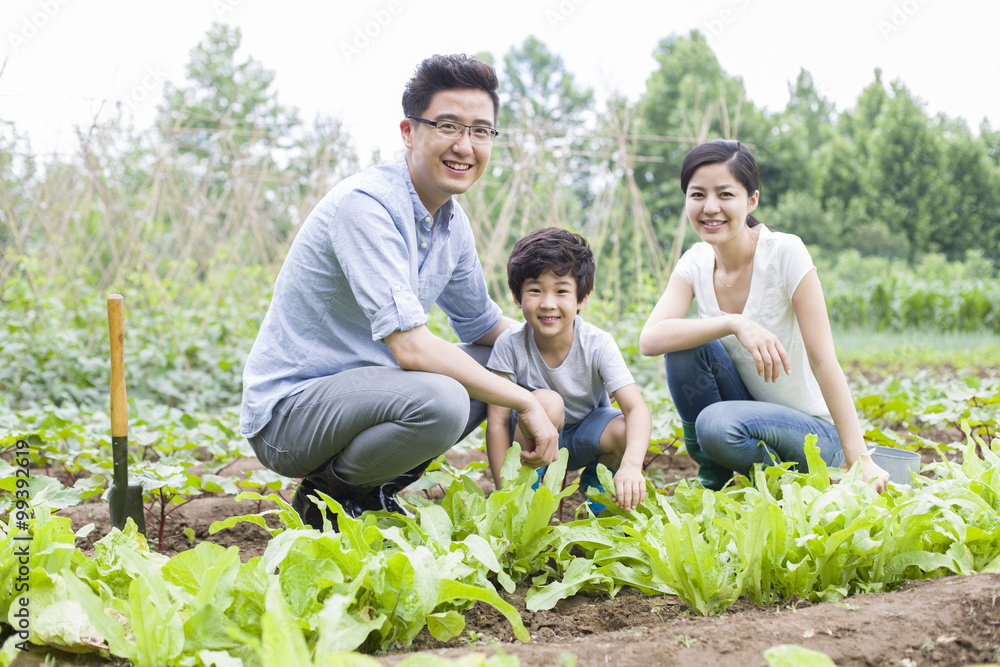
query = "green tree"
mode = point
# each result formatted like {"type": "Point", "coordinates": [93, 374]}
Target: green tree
{"type": "Point", "coordinates": [537, 175]}
{"type": "Point", "coordinates": [801, 213]}
{"type": "Point", "coordinates": [840, 157]}
{"type": "Point", "coordinates": [970, 207]}
{"type": "Point", "coordinates": [787, 154]}
{"type": "Point", "coordinates": [904, 163]}
{"type": "Point", "coordinates": [538, 92]}
{"type": "Point", "coordinates": [228, 132]}
{"type": "Point", "coordinates": [244, 160]}
{"type": "Point", "coordinates": [990, 139]}
{"type": "Point", "coordinates": [901, 183]}
{"type": "Point", "coordinates": [226, 103]}
{"type": "Point", "coordinates": [18, 173]}
{"type": "Point", "coordinates": [689, 98]}
{"type": "Point", "coordinates": [860, 121]}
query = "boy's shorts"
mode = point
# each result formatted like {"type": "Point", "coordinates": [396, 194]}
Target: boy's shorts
{"type": "Point", "coordinates": [582, 439]}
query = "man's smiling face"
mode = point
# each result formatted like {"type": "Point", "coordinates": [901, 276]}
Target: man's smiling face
{"type": "Point", "coordinates": [442, 167]}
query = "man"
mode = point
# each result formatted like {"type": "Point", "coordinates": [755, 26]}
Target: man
{"type": "Point", "coordinates": [345, 385]}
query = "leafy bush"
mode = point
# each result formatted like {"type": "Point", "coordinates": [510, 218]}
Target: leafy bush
{"type": "Point", "coordinates": [188, 355]}
{"type": "Point", "coordinates": [935, 295]}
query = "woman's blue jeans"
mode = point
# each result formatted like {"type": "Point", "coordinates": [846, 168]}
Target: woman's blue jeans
{"type": "Point", "coordinates": [732, 428]}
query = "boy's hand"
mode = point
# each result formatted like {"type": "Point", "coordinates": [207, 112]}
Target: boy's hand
{"type": "Point", "coordinates": [630, 487]}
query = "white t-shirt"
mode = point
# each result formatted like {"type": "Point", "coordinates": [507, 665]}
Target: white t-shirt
{"type": "Point", "coordinates": [593, 368]}
{"type": "Point", "coordinates": [780, 262]}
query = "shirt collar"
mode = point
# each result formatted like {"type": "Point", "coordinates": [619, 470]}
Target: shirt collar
{"type": "Point", "coordinates": [420, 214]}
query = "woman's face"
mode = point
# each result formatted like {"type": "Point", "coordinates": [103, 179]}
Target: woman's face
{"type": "Point", "coordinates": [717, 204]}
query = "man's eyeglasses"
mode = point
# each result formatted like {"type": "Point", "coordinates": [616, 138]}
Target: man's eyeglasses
{"type": "Point", "coordinates": [479, 134]}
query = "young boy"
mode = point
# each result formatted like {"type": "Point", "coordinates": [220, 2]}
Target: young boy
{"type": "Point", "coordinates": [571, 367]}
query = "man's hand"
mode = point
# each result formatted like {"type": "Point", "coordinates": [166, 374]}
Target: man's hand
{"type": "Point", "coordinates": [541, 439]}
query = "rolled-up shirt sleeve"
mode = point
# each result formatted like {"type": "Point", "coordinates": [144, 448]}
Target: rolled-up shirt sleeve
{"type": "Point", "coordinates": [375, 258]}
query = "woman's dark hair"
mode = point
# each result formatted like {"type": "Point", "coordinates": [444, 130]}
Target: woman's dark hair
{"type": "Point", "coordinates": [444, 73]}
{"type": "Point", "coordinates": [551, 249]}
{"type": "Point", "coordinates": [734, 155]}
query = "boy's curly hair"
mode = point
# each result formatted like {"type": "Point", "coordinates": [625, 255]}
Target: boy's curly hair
{"type": "Point", "coordinates": [551, 249]}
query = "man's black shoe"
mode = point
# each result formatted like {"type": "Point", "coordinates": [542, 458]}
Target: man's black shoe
{"type": "Point", "coordinates": [385, 494]}
{"type": "Point", "coordinates": [307, 510]}
{"type": "Point", "coordinates": [353, 499]}
{"type": "Point", "coordinates": [385, 497]}
{"type": "Point", "coordinates": [311, 514]}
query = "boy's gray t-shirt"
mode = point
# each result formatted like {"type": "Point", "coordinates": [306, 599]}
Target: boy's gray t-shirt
{"type": "Point", "coordinates": [593, 368]}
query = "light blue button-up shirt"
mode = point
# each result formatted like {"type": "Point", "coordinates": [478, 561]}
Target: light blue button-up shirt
{"type": "Point", "coordinates": [368, 261]}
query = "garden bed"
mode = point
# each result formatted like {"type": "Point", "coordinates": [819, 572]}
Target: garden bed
{"type": "Point", "coordinates": [945, 621]}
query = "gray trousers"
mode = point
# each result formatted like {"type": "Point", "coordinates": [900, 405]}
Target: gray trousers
{"type": "Point", "coordinates": [373, 423]}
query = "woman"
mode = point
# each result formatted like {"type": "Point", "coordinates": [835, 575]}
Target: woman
{"type": "Point", "coordinates": [756, 371]}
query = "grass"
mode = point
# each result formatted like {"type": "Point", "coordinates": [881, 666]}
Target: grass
{"type": "Point", "coordinates": [860, 341]}
{"type": "Point", "coordinates": [912, 351]}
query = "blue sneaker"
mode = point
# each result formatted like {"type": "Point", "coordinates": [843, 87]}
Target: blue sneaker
{"type": "Point", "coordinates": [539, 473]}
{"type": "Point", "coordinates": [588, 479]}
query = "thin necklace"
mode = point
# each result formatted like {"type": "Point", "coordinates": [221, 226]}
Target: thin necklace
{"type": "Point", "coordinates": [753, 251]}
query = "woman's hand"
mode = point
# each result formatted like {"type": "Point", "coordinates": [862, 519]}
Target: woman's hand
{"type": "Point", "coordinates": [876, 477]}
{"type": "Point", "coordinates": [767, 351]}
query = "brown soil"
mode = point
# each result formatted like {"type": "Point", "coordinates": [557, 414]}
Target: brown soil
{"type": "Point", "coordinates": [946, 621]}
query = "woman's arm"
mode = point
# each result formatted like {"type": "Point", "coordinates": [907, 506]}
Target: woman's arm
{"type": "Point", "coordinates": [814, 322]}
{"type": "Point", "coordinates": [668, 330]}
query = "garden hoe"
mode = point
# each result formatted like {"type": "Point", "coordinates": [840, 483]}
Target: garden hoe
{"type": "Point", "coordinates": [124, 499]}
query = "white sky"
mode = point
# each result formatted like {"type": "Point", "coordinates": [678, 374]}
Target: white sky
{"type": "Point", "coordinates": [65, 57]}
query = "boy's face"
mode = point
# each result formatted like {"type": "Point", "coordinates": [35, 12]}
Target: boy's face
{"type": "Point", "coordinates": [549, 305]}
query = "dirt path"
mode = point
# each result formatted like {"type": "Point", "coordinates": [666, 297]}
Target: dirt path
{"type": "Point", "coordinates": [946, 621]}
